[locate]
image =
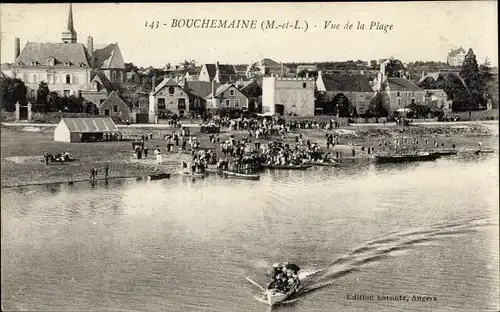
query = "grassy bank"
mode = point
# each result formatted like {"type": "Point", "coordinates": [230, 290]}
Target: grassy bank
{"type": "Point", "coordinates": [23, 148]}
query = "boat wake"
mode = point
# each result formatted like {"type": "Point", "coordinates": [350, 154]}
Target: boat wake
{"type": "Point", "coordinates": [391, 245]}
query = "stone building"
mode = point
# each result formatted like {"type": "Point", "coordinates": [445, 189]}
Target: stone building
{"type": "Point", "coordinates": [456, 57]}
{"type": "Point", "coordinates": [288, 96]}
{"type": "Point", "coordinates": [67, 67]}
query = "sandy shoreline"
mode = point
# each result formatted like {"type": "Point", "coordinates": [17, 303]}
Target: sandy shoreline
{"type": "Point", "coordinates": [23, 148]}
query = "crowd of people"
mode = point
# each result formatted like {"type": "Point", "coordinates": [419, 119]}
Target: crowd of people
{"type": "Point", "coordinates": [284, 277]}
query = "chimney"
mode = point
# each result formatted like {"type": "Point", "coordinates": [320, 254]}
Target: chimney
{"type": "Point", "coordinates": [281, 74]}
{"type": "Point", "coordinates": [362, 72]}
{"type": "Point", "coordinates": [90, 49]}
{"type": "Point", "coordinates": [213, 93]}
{"type": "Point", "coordinates": [17, 48]}
{"type": "Point", "coordinates": [423, 75]}
{"type": "Point", "coordinates": [153, 87]}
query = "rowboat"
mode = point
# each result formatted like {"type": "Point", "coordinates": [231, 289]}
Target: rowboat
{"type": "Point", "coordinates": [237, 175]}
{"type": "Point", "coordinates": [275, 296]}
{"type": "Point", "coordinates": [324, 164]}
{"type": "Point", "coordinates": [483, 152]}
{"type": "Point", "coordinates": [159, 176]}
{"type": "Point", "coordinates": [406, 157]}
{"type": "Point", "coordinates": [445, 152]}
{"type": "Point", "coordinates": [289, 167]}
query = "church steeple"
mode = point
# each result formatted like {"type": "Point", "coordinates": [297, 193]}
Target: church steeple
{"type": "Point", "coordinates": [69, 35]}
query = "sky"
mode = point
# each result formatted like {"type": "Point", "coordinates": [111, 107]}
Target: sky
{"type": "Point", "coordinates": [421, 31]}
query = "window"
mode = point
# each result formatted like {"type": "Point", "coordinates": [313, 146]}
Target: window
{"type": "Point", "coordinates": [34, 77]}
{"type": "Point", "coordinates": [231, 92]}
{"type": "Point", "coordinates": [67, 93]}
{"type": "Point", "coordinates": [413, 101]}
{"type": "Point", "coordinates": [50, 78]}
{"type": "Point", "coordinates": [228, 102]}
{"type": "Point", "coordinates": [94, 86]}
{"type": "Point", "coordinates": [115, 108]}
{"type": "Point", "coordinates": [106, 112]}
{"type": "Point", "coordinates": [50, 62]}
{"type": "Point", "coordinates": [114, 77]}
{"type": "Point", "coordinates": [399, 102]}
{"type": "Point", "coordinates": [67, 63]}
{"type": "Point", "coordinates": [171, 90]}
{"type": "Point", "coordinates": [398, 94]}
{"type": "Point", "coordinates": [161, 103]}
{"type": "Point", "coordinates": [68, 79]}
{"type": "Point", "coordinates": [236, 102]}
{"type": "Point", "coordinates": [304, 85]}
{"type": "Point", "coordinates": [181, 103]}
{"type": "Point", "coordinates": [33, 63]}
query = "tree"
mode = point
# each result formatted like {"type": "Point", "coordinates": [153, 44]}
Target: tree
{"type": "Point", "coordinates": [187, 64]}
{"type": "Point", "coordinates": [376, 108]}
{"type": "Point", "coordinates": [306, 73]}
{"type": "Point", "coordinates": [488, 83]}
{"type": "Point", "coordinates": [42, 95]}
{"type": "Point", "coordinates": [13, 91]}
{"type": "Point", "coordinates": [470, 74]}
{"type": "Point", "coordinates": [130, 67]}
{"type": "Point", "coordinates": [373, 64]}
{"type": "Point", "coordinates": [54, 101]}
{"type": "Point", "coordinates": [394, 68]}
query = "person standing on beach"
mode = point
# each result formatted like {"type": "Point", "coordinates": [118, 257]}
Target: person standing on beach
{"type": "Point", "coordinates": [92, 174]}
{"type": "Point", "coordinates": [145, 152]}
{"type": "Point", "coordinates": [106, 171]}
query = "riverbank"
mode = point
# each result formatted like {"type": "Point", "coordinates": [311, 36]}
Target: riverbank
{"type": "Point", "coordinates": [23, 148]}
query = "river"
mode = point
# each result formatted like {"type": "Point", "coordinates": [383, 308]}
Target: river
{"type": "Point", "coordinates": [423, 229]}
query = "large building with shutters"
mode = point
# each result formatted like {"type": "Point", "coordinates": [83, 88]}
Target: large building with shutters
{"type": "Point", "coordinates": [68, 67]}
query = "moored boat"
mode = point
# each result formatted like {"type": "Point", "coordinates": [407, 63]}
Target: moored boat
{"type": "Point", "coordinates": [159, 176]}
{"type": "Point", "coordinates": [287, 167]}
{"type": "Point", "coordinates": [445, 152]}
{"type": "Point", "coordinates": [323, 164]}
{"type": "Point", "coordinates": [405, 157]}
{"type": "Point", "coordinates": [481, 151]}
{"type": "Point", "coordinates": [237, 175]}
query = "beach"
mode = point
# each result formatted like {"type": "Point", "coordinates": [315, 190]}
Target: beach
{"type": "Point", "coordinates": [23, 148]}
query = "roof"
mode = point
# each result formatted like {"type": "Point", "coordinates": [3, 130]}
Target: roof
{"type": "Point", "coordinates": [402, 84]}
{"type": "Point", "coordinates": [113, 99]}
{"type": "Point", "coordinates": [212, 70]}
{"type": "Point", "coordinates": [221, 89]}
{"type": "Point", "coordinates": [61, 52]}
{"type": "Point", "coordinates": [450, 82]}
{"type": "Point", "coordinates": [108, 56]}
{"type": "Point", "coordinates": [226, 69]}
{"type": "Point", "coordinates": [241, 68]}
{"type": "Point", "coordinates": [267, 62]}
{"type": "Point", "coordinates": [346, 83]}
{"type": "Point", "coordinates": [200, 88]}
{"type": "Point", "coordinates": [245, 83]}
{"type": "Point", "coordinates": [167, 82]}
{"type": "Point", "coordinates": [80, 125]}
{"type": "Point", "coordinates": [6, 66]}
{"type": "Point", "coordinates": [229, 78]}
{"type": "Point", "coordinates": [101, 78]}
{"type": "Point", "coordinates": [306, 67]}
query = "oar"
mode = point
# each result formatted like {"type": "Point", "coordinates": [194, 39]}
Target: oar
{"type": "Point", "coordinates": [255, 283]}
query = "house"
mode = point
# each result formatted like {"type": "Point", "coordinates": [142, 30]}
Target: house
{"type": "Point", "coordinates": [308, 68]}
{"type": "Point", "coordinates": [268, 67]}
{"type": "Point", "coordinates": [192, 73]}
{"type": "Point", "coordinates": [67, 67]}
{"type": "Point", "coordinates": [226, 96]}
{"type": "Point", "coordinates": [167, 97]}
{"type": "Point", "coordinates": [98, 89]}
{"type": "Point", "coordinates": [73, 130]}
{"type": "Point", "coordinates": [456, 57]}
{"type": "Point", "coordinates": [241, 70]}
{"type": "Point", "coordinates": [221, 73]}
{"type": "Point", "coordinates": [113, 105]}
{"type": "Point", "coordinates": [355, 87]}
{"type": "Point", "coordinates": [402, 93]}
{"type": "Point", "coordinates": [438, 98]}
{"type": "Point", "coordinates": [253, 90]}
{"type": "Point", "coordinates": [288, 96]}
{"type": "Point", "coordinates": [449, 82]}
{"type": "Point", "coordinates": [198, 91]}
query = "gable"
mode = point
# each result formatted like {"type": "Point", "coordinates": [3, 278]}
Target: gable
{"type": "Point", "coordinates": [113, 99]}
{"type": "Point", "coordinates": [108, 56]}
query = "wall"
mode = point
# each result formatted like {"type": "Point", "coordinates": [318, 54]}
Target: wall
{"type": "Point", "coordinates": [360, 100]}
{"type": "Point", "coordinates": [404, 96]}
{"type": "Point", "coordinates": [123, 111]}
{"type": "Point", "coordinates": [61, 133]}
{"type": "Point", "coordinates": [79, 78]}
{"type": "Point", "coordinates": [294, 97]}
{"type": "Point", "coordinates": [204, 74]}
